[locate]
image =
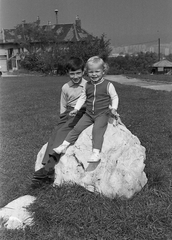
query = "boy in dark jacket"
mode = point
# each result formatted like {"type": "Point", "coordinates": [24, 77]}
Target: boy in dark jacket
{"type": "Point", "coordinates": [70, 93]}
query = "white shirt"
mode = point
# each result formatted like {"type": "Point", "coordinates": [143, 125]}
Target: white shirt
{"type": "Point", "coordinates": [70, 94]}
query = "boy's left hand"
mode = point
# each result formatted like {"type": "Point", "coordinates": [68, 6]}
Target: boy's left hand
{"type": "Point", "coordinates": [114, 112]}
{"type": "Point", "coordinates": [117, 119]}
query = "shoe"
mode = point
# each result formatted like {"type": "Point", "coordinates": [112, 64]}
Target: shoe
{"type": "Point", "coordinates": [61, 149]}
{"type": "Point", "coordinates": [41, 177]}
{"type": "Point", "coordinates": [92, 166]}
{"type": "Point", "coordinates": [95, 157]}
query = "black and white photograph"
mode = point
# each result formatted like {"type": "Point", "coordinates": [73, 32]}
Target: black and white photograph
{"type": "Point", "coordinates": [86, 120]}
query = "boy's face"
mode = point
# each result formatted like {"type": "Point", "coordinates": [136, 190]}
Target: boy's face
{"type": "Point", "coordinates": [76, 76]}
{"type": "Point", "coordinates": [95, 72]}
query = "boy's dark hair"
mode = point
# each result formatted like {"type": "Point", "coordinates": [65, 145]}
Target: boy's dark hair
{"type": "Point", "coordinates": [74, 64]}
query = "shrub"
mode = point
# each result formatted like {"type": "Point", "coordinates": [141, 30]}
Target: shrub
{"type": "Point", "coordinates": [54, 59]}
{"type": "Point", "coordinates": [132, 64]}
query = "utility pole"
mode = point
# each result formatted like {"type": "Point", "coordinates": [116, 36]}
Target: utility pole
{"type": "Point", "coordinates": [159, 49]}
{"type": "Point", "coordinates": [56, 12]}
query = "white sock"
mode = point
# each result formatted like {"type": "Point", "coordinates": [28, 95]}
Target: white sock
{"type": "Point", "coordinates": [65, 143]}
{"type": "Point", "coordinates": [96, 150]}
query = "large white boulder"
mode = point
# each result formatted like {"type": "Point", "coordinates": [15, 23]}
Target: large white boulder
{"type": "Point", "coordinates": [120, 172]}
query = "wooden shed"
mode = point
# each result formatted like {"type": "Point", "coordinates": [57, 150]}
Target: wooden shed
{"type": "Point", "coordinates": [162, 67]}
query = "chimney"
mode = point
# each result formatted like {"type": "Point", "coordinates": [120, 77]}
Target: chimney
{"type": "Point", "coordinates": [23, 22]}
{"type": "Point", "coordinates": [56, 12]}
{"type": "Point", "coordinates": [78, 22]}
{"type": "Point", "coordinates": [38, 20]}
{"type": "Point", "coordinates": [48, 25]}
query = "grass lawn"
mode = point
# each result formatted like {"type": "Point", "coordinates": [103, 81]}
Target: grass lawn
{"type": "Point", "coordinates": [152, 78]}
{"type": "Point", "coordinates": [29, 109]}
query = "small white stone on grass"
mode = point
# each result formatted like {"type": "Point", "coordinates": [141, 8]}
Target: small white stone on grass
{"type": "Point", "coordinates": [15, 215]}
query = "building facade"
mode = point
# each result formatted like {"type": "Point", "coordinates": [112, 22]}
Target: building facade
{"type": "Point", "coordinates": [10, 47]}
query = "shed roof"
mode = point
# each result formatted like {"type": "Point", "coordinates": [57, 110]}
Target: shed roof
{"type": "Point", "coordinates": [163, 63]}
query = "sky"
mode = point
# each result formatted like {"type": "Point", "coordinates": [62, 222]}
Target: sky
{"type": "Point", "coordinates": [124, 22]}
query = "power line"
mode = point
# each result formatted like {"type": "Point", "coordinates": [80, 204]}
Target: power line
{"type": "Point", "coordinates": [141, 43]}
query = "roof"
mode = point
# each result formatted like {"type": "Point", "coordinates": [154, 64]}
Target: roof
{"type": "Point", "coordinates": [62, 32]}
{"type": "Point", "coordinates": [163, 63]}
{"type": "Point", "coordinates": [68, 32]}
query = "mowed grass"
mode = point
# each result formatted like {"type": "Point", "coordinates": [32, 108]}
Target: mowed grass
{"type": "Point", "coordinates": [29, 109]}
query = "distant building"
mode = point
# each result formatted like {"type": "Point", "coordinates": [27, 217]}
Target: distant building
{"type": "Point", "coordinates": [165, 48]}
{"type": "Point", "coordinates": [64, 33]}
{"type": "Point", "coordinates": [163, 67]}
{"type": "Point", "coordinates": [167, 51]}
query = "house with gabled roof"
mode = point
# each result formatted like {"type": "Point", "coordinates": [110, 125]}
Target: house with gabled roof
{"type": "Point", "coordinates": [10, 48]}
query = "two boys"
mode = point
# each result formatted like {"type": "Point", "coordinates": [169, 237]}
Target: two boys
{"type": "Point", "coordinates": [97, 94]}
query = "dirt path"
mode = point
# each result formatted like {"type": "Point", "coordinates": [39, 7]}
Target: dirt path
{"type": "Point", "coordinates": [137, 82]}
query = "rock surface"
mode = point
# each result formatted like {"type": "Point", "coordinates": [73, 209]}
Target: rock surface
{"type": "Point", "coordinates": [120, 172]}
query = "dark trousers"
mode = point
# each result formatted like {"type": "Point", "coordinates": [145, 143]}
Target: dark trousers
{"type": "Point", "coordinates": [65, 125]}
{"type": "Point", "coordinates": [100, 124]}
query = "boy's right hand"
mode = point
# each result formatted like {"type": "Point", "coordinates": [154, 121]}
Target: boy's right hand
{"type": "Point", "coordinates": [73, 112]}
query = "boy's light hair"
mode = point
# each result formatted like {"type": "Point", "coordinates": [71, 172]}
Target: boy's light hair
{"type": "Point", "coordinates": [97, 59]}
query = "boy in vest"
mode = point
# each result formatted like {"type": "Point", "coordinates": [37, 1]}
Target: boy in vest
{"type": "Point", "coordinates": [70, 93]}
{"type": "Point", "coordinates": [98, 94]}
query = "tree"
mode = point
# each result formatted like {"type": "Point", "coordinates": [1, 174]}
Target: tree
{"type": "Point", "coordinates": [48, 55]}
{"type": "Point", "coordinates": [139, 63]}
{"type": "Point", "coordinates": [99, 46]}
{"type": "Point", "coordinates": [169, 57]}
{"type": "Point", "coordinates": [33, 37]}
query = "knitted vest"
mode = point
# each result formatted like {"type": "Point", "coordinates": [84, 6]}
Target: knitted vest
{"type": "Point", "coordinates": [98, 98]}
